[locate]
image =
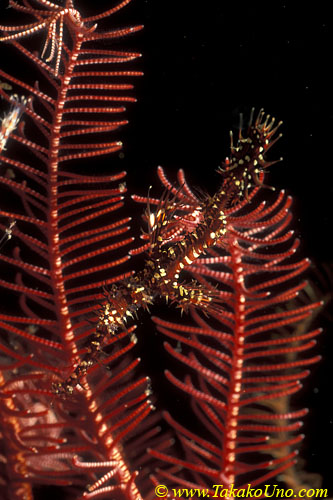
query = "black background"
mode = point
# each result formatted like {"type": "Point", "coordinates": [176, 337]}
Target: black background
{"type": "Point", "coordinates": [204, 62]}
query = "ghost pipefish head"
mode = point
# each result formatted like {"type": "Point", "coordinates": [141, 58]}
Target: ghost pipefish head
{"type": "Point", "coordinates": [246, 164]}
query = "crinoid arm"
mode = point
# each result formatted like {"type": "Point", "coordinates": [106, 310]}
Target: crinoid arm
{"type": "Point", "coordinates": [70, 239]}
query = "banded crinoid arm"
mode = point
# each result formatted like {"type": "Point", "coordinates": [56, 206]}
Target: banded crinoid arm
{"type": "Point", "coordinates": [56, 19]}
{"type": "Point", "coordinates": [69, 240]}
{"type": "Point", "coordinates": [236, 361]}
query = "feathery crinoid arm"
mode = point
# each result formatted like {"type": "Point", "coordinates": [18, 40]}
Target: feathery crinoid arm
{"type": "Point", "coordinates": [243, 360]}
{"type": "Point", "coordinates": [69, 239]}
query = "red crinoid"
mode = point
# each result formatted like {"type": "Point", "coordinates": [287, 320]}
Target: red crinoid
{"type": "Point", "coordinates": [241, 362]}
{"type": "Point", "coordinates": [68, 241]}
